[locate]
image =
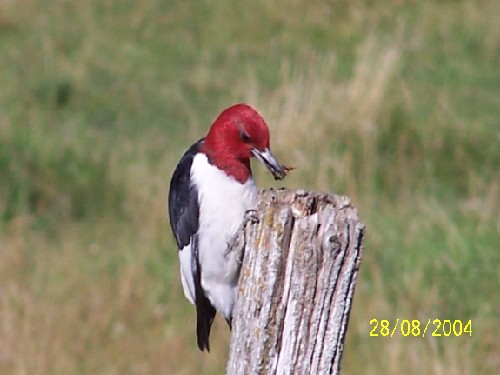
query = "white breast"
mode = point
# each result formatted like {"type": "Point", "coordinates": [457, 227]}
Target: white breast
{"type": "Point", "coordinates": [223, 202]}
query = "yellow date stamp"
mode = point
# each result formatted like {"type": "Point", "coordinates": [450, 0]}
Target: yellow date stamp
{"type": "Point", "coordinates": [417, 328]}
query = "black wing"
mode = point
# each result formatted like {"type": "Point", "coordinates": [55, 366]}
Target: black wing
{"type": "Point", "coordinates": [183, 211]}
{"type": "Point", "coordinates": [183, 200]}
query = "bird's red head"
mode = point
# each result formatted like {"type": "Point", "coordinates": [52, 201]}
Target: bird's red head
{"type": "Point", "coordinates": [236, 131]}
{"type": "Point", "coordinates": [237, 134]}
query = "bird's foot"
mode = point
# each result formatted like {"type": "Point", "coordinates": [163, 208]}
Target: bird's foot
{"type": "Point", "coordinates": [237, 243]}
{"type": "Point", "coordinates": [250, 216]}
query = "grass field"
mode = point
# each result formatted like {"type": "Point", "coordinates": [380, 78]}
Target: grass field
{"type": "Point", "coordinates": [396, 104]}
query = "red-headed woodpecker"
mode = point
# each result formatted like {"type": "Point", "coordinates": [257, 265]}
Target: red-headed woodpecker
{"type": "Point", "coordinates": [210, 191]}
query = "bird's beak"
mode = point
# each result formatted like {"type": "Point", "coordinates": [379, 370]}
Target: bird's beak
{"type": "Point", "coordinates": [267, 158]}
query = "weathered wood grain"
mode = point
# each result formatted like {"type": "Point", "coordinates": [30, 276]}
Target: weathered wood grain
{"type": "Point", "coordinates": [296, 284]}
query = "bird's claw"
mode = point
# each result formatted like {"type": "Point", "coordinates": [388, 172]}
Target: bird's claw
{"type": "Point", "coordinates": [250, 217]}
{"type": "Point", "coordinates": [237, 243]}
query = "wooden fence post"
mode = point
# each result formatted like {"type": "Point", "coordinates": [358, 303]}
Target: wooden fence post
{"type": "Point", "coordinates": [296, 285]}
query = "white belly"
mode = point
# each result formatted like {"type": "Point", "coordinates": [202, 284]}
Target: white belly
{"type": "Point", "coordinates": [222, 202]}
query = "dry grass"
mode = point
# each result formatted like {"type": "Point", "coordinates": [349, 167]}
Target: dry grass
{"type": "Point", "coordinates": [315, 116]}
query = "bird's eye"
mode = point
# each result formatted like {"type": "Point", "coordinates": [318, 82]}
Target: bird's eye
{"type": "Point", "coordinates": [244, 136]}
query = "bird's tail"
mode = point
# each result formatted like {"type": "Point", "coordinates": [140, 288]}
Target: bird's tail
{"type": "Point", "coordinates": [205, 314]}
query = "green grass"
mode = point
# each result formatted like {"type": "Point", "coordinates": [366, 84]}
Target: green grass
{"type": "Point", "coordinates": [392, 103]}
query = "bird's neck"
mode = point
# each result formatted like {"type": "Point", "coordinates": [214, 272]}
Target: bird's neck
{"type": "Point", "coordinates": [237, 168]}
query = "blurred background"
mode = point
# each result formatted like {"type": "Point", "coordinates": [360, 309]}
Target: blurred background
{"type": "Point", "coordinates": [394, 103]}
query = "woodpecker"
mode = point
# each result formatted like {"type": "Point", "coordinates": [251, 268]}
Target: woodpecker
{"type": "Point", "coordinates": [211, 189]}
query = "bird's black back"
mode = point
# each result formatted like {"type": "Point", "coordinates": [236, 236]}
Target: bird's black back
{"type": "Point", "coordinates": [183, 199]}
